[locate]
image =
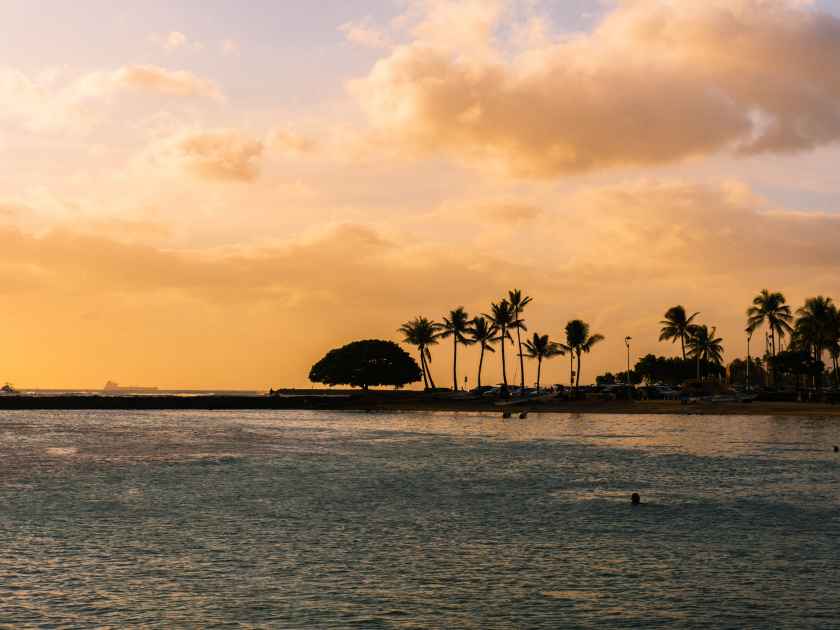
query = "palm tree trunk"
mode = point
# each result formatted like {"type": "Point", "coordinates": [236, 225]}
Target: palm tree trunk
{"type": "Point", "coordinates": [431, 380]}
{"type": "Point", "coordinates": [480, 363]}
{"type": "Point", "coordinates": [571, 369]}
{"type": "Point", "coordinates": [454, 363]}
{"type": "Point", "coordinates": [423, 368]}
{"type": "Point", "coordinates": [577, 376]}
{"type": "Point", "coordinates": [521, 358]}
{"type": "Point", "coordinates": [504, 369]}
{"type": "Point", "coordinates": [682, 344]}
{"type": "Point", "coordinates": [539, 369]}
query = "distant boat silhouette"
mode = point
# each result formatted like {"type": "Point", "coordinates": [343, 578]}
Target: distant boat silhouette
{"type": "Point", "coordinates": [8, 390]}
{"type": "Point", "coordinates": [112, 387]}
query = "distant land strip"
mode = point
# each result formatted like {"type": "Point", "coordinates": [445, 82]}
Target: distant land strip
{"type": "Point", "coordinates": [391, 401]}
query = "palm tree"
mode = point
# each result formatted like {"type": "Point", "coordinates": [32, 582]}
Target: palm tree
{"type": "Point", "coordinates": [539, 348]}
{"type": "Point", "coordinates": [815, 325]}
{"type": "Point", "coordinates": [677, 325]}
{"type": "Point", "coordinates": [578, 340]}
{"type": "Point", "coordinates": [422, 332]}
{"type": "Point", "coordinates": [772, 309]}
{"type": "Point", "coordinates": [704, 346]}
{"type": "Point", "coordinates": [568, 350]}
{"type": "Point", "coordinates": [504, 317]}
{"type": "Point", "coordinates": [834, 345]}
{"type": "Point", "coordinates": [483, 332]}
{"type": "Point", "coordinates": [457, 326]}
{"type": "Point", "coordinates": [518, 302]}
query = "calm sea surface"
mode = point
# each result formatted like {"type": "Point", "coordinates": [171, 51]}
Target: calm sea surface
{"type": "Point", "coordinates": [417, 520]}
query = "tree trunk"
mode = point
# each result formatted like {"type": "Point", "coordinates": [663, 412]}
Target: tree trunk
{"type": "Point", "coordinates": [521, 358]}
{"type": "Point", "coordinates": [480, 363]}
{"type": "Point", "coordinates": [504, 369]}
{"type": "Point", "coordinates": [423, 368]}
{"type": "Point", "coordinates": [454, 363]}
{"type": "Point", "coordinates": [571, 369]}
{"type": "Point", "coordinates": [577, 376]}
{"type": "Point", "coordinates": [539, 369]}
{"type": "Point", "coordinates": [682, 344]}
{"type": "Point", "coordinates": [431, 380]}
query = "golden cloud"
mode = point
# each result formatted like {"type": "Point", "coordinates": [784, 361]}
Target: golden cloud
{"type": "Point", "coordinates": [617, 256]}
{"type": "Point", "coordinates": [162, 81]}
{"type": "Point", "coordinates": [655, 82]}
{"type": "Point", "coordinates": [215, 154]}
{"type": "Point", "coordinates": [53, 101]}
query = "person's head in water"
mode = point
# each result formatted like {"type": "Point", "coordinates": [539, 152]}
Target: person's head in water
{"type": "Point", "coordinates": [635, 499]}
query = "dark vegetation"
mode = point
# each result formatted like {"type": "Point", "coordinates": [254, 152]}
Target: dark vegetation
{"type": "Point", "coordinates": [366, 363]}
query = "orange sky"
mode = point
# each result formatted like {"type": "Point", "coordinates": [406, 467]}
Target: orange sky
{"type": "Point", "coordinates": [191, 210]}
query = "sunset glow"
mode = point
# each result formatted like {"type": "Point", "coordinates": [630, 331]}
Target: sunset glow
{"type": "Point", "coordinates": [214, 195]}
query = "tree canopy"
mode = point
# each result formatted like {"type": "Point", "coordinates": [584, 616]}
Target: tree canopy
{"type": "Point", "coordinates": [366, 363]}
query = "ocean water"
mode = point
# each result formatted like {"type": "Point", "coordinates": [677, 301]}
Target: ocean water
{"type": "Point", "coordinates": [417, 520]}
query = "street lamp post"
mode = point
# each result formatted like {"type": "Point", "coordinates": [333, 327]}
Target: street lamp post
{"type": "Point", "coordinates": [627, 343]}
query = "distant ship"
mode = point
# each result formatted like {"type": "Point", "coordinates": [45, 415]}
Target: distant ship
{"type": "Point", "coordinates": [112, 387]}
{"type": "Point", "coordinates": [8, 390]}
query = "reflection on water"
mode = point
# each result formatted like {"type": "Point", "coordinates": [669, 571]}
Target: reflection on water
{"type": "Point", "coordinates": [414, 520]}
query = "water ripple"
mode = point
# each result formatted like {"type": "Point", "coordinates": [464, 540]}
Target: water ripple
{"type": "Point", "coordinates": [331, 520]}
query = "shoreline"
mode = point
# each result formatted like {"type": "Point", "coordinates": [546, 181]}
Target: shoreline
{"type": "Point", "coordinates": [402, 401]}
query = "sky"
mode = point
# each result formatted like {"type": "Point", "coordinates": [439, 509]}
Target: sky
{"type": "Point", "coordinates": [213, 194]}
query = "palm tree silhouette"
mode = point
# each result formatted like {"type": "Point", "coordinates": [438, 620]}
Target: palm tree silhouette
{"type": "Point", "coordinates": [677, 325]}
{"type": "Point", "coordinates": [422, 332]}
{"type": "Point", "coordinates": [578, 340]}
{"type": "Point", "coordinates": [771, 308]}
{"type": "Point", "coordinates": [815, 326]}
{"type": "Point", "coordinates": [540, 348]}
{"type": "Point", "coordinates": [483, 332]}
{"type": "Point", "coordinates": [518, 302]}
{"type": "Point", "coordinates": [704, 346]}
{"type": "Point", "coordinates": [457, 326]}
{"type": "Point", "coordinates": [503, 316]}
{"type": "Point", "coordinates": [834, 345]}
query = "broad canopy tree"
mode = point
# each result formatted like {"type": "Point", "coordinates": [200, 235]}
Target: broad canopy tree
{"type": "Point", "coordinates": [365, 364]}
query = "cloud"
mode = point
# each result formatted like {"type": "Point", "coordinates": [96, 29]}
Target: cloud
{"type": "Point", "coordinates": [216, 154]}
{"type": "Point", "coordinates": [617, 256]}
{"type": "Point", "coordinates": [654, 83]}
{"type": "Point", "coordinates": [508, 212]}
{"type": "Point", "coordinates": [159, 80]}
{"type": "Point", "coordinates": [363, 33]}
{"type": "Point", "coordinates": [230, 47]}
{"type": "Point", "coordinates": [290, 142]}
{"type": "Point", "coordinates": [176, 40]}
{"type": "Point", "coordinates": [54, 101]}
